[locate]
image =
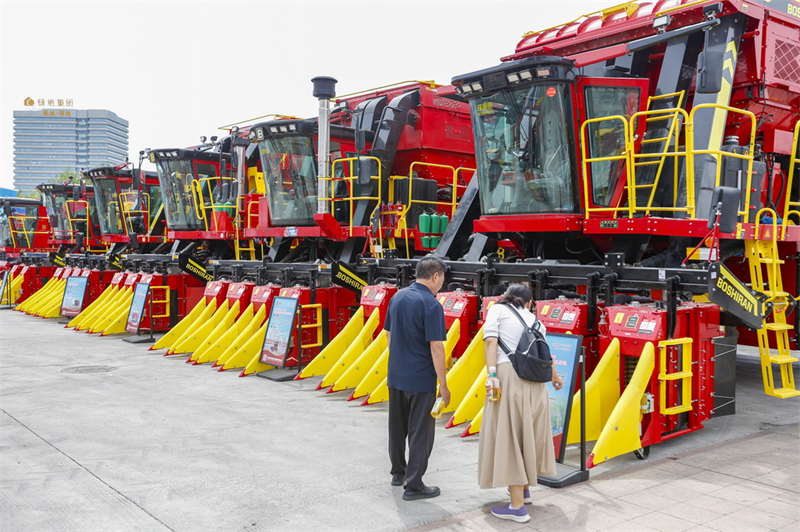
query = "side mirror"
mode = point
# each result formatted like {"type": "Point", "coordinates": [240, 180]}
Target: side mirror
{"type": "Point", "coordinates": [709, 72]}
{"type": "Point", "coordinates": [361, 140]}
{"type": "Point", "coordinates": [366, 169]}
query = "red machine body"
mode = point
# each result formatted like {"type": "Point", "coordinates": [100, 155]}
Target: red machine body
{"type": "Point", "coordinates": [72, 212]}
{"type": "Point", "coordinates": [571, 316]}
{"type": "Point", "coordinates": [414, 129]}
{"type": "Point", "coordinates": [125, 210]}
{"type": "Point", "coordinates": [635, 325]}
{"type": "Point", "coordinates": [24, 227]}
{"type": "Point", "coordinates": [376, 298]}
{"type": "Point", "coordinates": [324, 312]}
{"type": "Point", "coordinates": [462, 307]}
{"type": "Point", "coordinates": [241, 292]}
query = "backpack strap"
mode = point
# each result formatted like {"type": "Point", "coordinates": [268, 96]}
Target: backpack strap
{"type": "Point", "coordinates": [500, 342]}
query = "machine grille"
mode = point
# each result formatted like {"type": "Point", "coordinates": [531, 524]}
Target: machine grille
{"type": "Point", "coordinates": [787, 61]}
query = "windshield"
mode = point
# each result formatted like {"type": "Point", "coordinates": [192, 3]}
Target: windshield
{"type": "Point", "coordinates": [108, 206]}
{"type": "Point", "coordinates": [290, 172]}
{"type": "Point", "coordinates": [176, 176]}
{"type": "Point", "coordinates": [524, 150]}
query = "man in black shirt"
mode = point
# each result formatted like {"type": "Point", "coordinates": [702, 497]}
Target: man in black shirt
{"type": "Point", "coordinates": [416, 333]}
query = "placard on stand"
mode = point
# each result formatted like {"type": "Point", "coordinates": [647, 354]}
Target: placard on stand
{"type": "Point", "coordinates": [284, 320]}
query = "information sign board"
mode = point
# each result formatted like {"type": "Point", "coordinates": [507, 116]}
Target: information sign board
{"type": "Point", "coordinates": [136, 311]}
{"type": "Point", "coordinates": [564, 349]}
{"type": "Point", "coordinates": [280, 328]}
{"type": "Point", "coordinates": [74, 296]}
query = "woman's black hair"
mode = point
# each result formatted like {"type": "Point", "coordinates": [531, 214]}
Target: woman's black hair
{"type": "Point", "coordinates": [517, 294]}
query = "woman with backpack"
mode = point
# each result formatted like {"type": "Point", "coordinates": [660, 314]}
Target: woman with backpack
{"type": "Point", "coordinates": [516, 440]}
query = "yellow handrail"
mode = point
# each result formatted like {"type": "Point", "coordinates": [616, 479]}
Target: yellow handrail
{"type": "Point", "coordinates": [127, 214]}
{"type": "Point", "coordinates": [70, 219]}
{"type": "Point", "coordinates": [200, 207]}
{"type": "Point", "coordinates": [26, 232]}
{"type": "Point", "coordinates": [624, 156]}
{"type": "Point", "coordinates": [348, 178]}
{"type": "Point", "coordinates": [718, 153]}
{"type": "Point", "coordinates": [793, 163]}
{"type": "Point", "coordinates": [669, 112]}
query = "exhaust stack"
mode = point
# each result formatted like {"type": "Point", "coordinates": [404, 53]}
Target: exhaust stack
{"type": "Point", "coordinates": [324, 91]}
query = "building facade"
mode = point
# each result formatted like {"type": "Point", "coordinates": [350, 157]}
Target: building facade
{"type": "Point", "coordinates": [49, 141]}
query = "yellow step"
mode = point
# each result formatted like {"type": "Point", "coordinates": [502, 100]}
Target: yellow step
{"type": "Point", "coordinates": [676, 376]}
{"type": "Point", "coordinates": [783, 393]}
{"type": "Point", "coordinates": [776, 293]}
{"type": "Point", "coordinates": [764, 260]}
{"type": "Point", "coordinates": [677, 409]}
{"type": "Point", "coordinates": [782, 359]}
{"type": "Point", "coordinates": [778, 327]}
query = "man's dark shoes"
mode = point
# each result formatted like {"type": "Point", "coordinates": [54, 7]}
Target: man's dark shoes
{"type": "Point", "coordinates": [398, 479]}
{"type": "Point", "coordinates": [426, 492]}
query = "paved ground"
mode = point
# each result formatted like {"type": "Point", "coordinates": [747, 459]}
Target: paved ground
{"type": "Point", "coordinates": [156, 444]}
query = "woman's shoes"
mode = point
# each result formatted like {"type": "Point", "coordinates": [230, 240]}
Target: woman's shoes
{"type": "Point", "coordinates": [520, 515]}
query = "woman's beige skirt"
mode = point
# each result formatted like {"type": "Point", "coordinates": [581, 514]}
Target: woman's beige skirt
{"type": "Point", "coordinates": [516, 440]}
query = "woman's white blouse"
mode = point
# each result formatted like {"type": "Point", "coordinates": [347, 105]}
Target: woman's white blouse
{"type": "Point", "coordinates": [503, 324]}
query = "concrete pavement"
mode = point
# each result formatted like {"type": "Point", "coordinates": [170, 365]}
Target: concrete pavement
{"type": "Point", "coordinates": [97, 434]}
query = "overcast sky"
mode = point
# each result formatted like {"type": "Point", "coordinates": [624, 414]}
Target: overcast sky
{"type": "Point", "coordinates": [179, 70]}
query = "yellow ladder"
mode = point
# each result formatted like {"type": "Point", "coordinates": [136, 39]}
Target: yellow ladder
{"type": "Point", "coordinates": [238, 246]}
{"type": "Point", "coordinates": [763, 255]}
{"type": "Point", "coordinates": [673, 118]}
{"type": "Point", "coordinates": [684, 375]}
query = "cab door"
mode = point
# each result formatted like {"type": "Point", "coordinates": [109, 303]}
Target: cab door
{"type": "Point", "coordinates": [607, 104]}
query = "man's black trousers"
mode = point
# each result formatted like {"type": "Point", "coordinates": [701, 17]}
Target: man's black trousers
{"type": "Point", "coordinates": [410, 417]}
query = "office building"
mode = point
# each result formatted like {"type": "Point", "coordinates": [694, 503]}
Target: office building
{"type": "Point", "coordinates": [49, 141]}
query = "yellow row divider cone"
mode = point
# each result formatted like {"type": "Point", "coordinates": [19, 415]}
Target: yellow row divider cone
{"type": "Point", "coordinates": [465, 371]}
{"type": "Point", "coordinates": [13, 288]}
{"type": "Point", "coordinates": [89, 312]}
{"type": "Point", "coordinates": [226, 324]}
{"type": "Point", "coordinates": [108, 306]}
{"type": "Point", "coordinates": [93, 321]}
{"type": "Point", "coordinates": [381, 393]}
{"type": "Point", "coordinates": [376, 373]}
{"type": "Point", "coordinates": [204, 316]}
{"type": "Point", "coordinates": [620, 433]}
{"type": "Point", "coordinates": [326, 359]}
{"type": "Point", "coordinates": [114, 321]}
{"type": "Point", "coordinates": [475, 426]}
{"type": "Point", "coordinates": [255, 346]}
{"type": "Point", "coordinates": [50, 306]}
{"type": "Point", "coordinates": [241, 349]}
{"type": "Point", "coordinates": [44, 297]}
{"type": "Point", "coordinates": [36, 297]}
{"type": "Point", "coordinates": [212, 350]}
{"type": "Point", "coordinates": [194, 338]}
{"type": "Point", "coordinates": [168, 339]}
{"type": "Point", "coordinates": [351, 354]}
{"type": "Point", "coordinates": [469, 407]}
{"type": "Point", "coordinates": [359, 369]}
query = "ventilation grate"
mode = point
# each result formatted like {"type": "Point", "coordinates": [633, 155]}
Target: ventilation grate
{"type": "Point", "coordinates": [787, 61]}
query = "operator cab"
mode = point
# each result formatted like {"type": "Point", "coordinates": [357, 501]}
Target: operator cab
{"type": "Point", "coordinates": [23, 225]}
{"type": "Point", "coordinates": [288, 150]}
{"type": "Point", "coordinates": [122, 210]}
{"type": "Point", "coordinates": [72, 211]}
{"type": "Point", "coordinates": [196, 182]}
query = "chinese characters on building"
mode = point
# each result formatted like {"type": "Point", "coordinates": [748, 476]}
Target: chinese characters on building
{"type": "Point", "coordinates": [48, 102]}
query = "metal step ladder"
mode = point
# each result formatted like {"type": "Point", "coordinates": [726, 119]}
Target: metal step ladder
{"type": "Point", "coordinates": [762, 255]}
